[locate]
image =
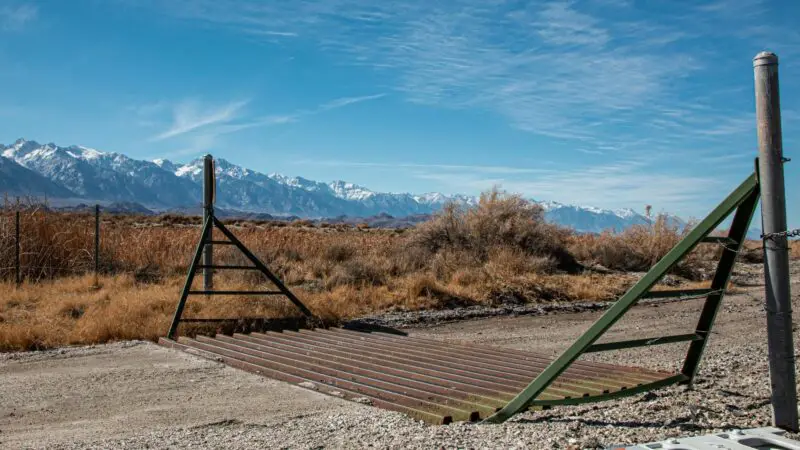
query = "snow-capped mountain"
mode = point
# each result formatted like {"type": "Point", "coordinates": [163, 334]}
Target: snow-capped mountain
{"type": "Point", "coordinates": [90, 175]}
{"type": "Point", "coordinates": [16, 179]}
{"type": "Point", "coordinates": [591, 219]}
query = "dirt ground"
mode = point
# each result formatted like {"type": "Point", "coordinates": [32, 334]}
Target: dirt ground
{"type": "Point", "coordinates": [140, 395]}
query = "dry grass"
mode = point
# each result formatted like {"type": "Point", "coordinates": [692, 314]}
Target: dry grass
{"type": "Point", "coordinates": [501, 252]}
{"type": "Point", "coordinates": [637, 248]}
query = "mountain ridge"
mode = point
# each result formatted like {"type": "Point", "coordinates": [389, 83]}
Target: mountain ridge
{"type": "Point", "coordinates": [90, 175]}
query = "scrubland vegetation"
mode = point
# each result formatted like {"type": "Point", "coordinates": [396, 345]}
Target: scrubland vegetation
{"type": "Point", "coordinates": [500, 252]}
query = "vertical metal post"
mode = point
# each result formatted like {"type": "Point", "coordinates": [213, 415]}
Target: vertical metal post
{"type": "Point", "coordinates": [208, 212]}
{"type": "Point", "coordinates": [776, 257]}
{"type": "Point", "coordinates": [17, 271]}
{"type": "Point", "coordinates": [96, 243]}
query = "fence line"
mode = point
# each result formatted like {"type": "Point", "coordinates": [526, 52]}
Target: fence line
{"type": "Point", "coordinates": [37, 244]}
{"type": "Point", "coordinates": [19, 253]}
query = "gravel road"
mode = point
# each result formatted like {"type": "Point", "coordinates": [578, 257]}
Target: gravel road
{"type": "Point", "coordinates": [139, 395]}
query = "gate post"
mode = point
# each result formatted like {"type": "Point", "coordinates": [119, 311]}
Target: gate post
{"type": "Point", "coordinates": [208, 211]}
{"type": "Point", "coordinates": [776, 255]}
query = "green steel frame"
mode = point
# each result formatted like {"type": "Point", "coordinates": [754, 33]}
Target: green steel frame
{"type": "Point", "coordinates": [743, 201]}
{"type": "Point", "coordinates": [206, 238]}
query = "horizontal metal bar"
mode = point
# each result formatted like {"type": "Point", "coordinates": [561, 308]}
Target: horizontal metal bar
{"type": "Point", "coordinates": [219, 242]}
{"type": "Point", "coordinates": [675, 379]}
{"type": "Point", "coordinates": [718, 240]}
{"type": "Point", "coordinates": [214, 266]}
{"type": "Point", "coordinates": [606, 346]}
{"type": "Point", "coordinates": [675, 293]}
{"type": "Point", "coordinates": [235, 293]}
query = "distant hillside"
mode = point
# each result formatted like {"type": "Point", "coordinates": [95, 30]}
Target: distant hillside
{"type": "Point", "coordinates": [77, 174]}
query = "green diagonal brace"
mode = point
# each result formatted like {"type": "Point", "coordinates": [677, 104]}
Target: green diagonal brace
{"type": "Point", "coordinates": [525, 398]}
{"type": "Point", "coordinates": [737, 234]}
{"type": "Point", "coordinates": [187, 286]}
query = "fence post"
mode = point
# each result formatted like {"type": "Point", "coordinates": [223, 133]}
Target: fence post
{"type": "Point", "coordinates": [776, 255]}
{"type": "Point", "coordinates": [17, 272]}
{"type": "Point", "coordinates": [96, 244]}
{"type": "Point", "coordinates": [208, 211]}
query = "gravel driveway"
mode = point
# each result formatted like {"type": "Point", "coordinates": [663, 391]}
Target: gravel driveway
{"type": "Point", "coordinates": [139, 395]}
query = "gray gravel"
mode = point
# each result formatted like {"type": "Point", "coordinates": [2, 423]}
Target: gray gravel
{"type": "Point", "coordinates": [142, 396]}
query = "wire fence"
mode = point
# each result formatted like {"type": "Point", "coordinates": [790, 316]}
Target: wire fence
{"type": "Point", "coordinates": [38, 244]}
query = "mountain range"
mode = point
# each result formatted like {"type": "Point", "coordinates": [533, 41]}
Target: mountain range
{"type": "Point", "coordinates": [77, 174]}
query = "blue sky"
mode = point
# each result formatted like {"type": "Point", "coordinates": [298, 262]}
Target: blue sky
{"type": "Point", "coordinates": [611, 103]}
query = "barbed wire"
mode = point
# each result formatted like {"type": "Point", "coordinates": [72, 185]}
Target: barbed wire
{"type": "Point", "coordinates": [787, 234]}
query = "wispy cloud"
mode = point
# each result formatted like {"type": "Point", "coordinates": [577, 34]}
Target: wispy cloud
{"type": "Point", "coordinates": [208, 121]}
{"type": "Point", "coordinates": [190, 115]}
{"type": "Point", "coordinates": [344, 101]}
{"type": "Point", "coordinates": [16, 17]}
{"type": "Point", "coordinates": [604, 75]}
{"type": "Point", "coordinates": [548, 67]}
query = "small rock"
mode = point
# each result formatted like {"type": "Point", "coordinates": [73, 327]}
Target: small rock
{"type": "Point", "coordinates": [363, 400]}
{"type": "Point", "coordinates": [308, 385]}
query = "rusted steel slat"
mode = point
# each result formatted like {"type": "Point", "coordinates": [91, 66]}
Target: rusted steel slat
{"type": "Point", "coordinates": [568, 388]}
{"type": "Point", "coordinates": [648, 374]}
{"type": "Point", "coordinates": [486, 395]}
{"type": "Point", "coordinates": [602, 379]}
{"type": "Point", "coordinates": [287, 377]}
{"type": "Point", "coordinates": [327, 375]}
{"type": "Point", "coordinates": [388, 361]}
{"type": "Point", "coordinates": [559, 388]}
{"type": "Point", "coordinates": [634, 375]}
{"type": "Point", "coordinates": [360, 349]}
{"type": "Point", "coordinates": [451, 397]}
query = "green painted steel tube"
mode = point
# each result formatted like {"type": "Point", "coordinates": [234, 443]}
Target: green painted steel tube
{"type": "Point", "coordinates": [738, 232]}
{"type": "Point", "coordinates": [618, 345]}
{"type": "Point", "coordinates": [674, 379]}
{"type": "Point", "coordinates": [525, 398]}
{"type": "Point", "coordinates": [173, 328]}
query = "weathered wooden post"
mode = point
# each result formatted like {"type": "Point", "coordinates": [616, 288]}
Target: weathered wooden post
{"type": "Point", "coordinates": [776, 253]}
{"type": "Point", "coordinates": [208, 211]}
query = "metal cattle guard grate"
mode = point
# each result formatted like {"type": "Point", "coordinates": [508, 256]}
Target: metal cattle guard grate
{"type": "Point", "coordinates": [441, 383]}
{"type": "Point", "coordinates": [435, 382]}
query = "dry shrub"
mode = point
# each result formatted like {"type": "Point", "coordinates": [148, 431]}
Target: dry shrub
{"type": "Point", "coordinates": [636, 248]}
{"type": "Point", "coordinates": [338, 253]}
{"type": "Point", "coordinates": [499, 220]}
{"type": "Point", "coordinates": [355, 273]}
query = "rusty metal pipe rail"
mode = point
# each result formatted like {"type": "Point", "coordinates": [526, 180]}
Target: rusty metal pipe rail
{"type": "Point", "coordinates": [500, 366]}
{"type": "Point", "coordinates": [433, 381]}
{"type": "Point", "coordinates": [523, 361]}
